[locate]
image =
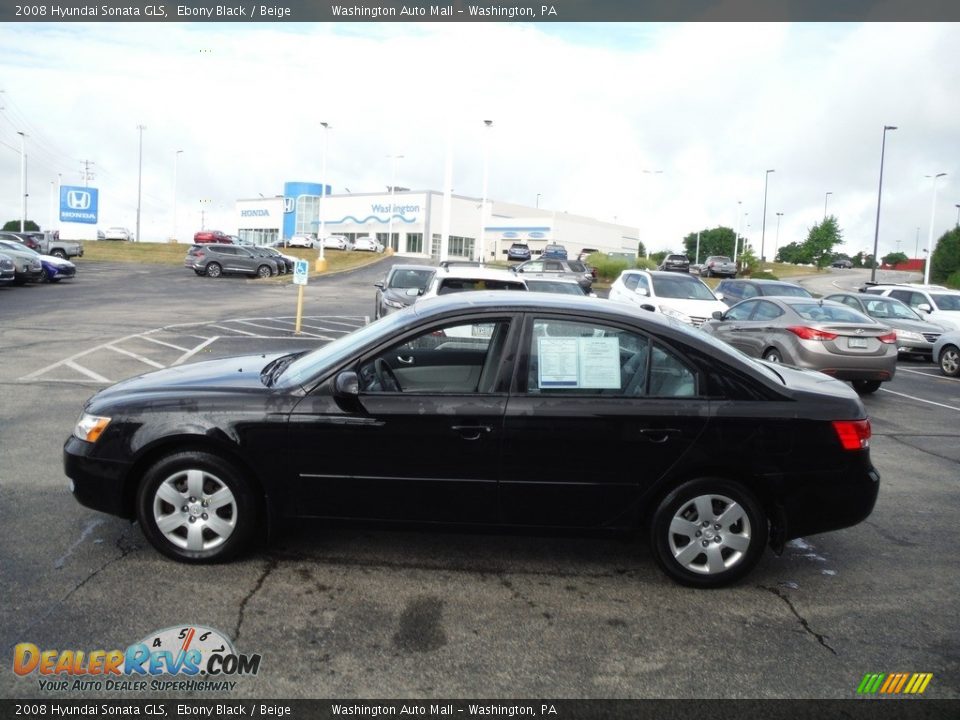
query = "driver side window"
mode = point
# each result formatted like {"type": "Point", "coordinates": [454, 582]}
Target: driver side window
{"type": "Point", "coordinates": [457, 359]}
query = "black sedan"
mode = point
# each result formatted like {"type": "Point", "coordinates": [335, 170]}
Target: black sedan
{"type": "Point", "coordinates": [431, 415]}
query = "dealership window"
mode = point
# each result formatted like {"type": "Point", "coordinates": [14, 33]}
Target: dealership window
{"type": "Point", "coordinates": [414, 242]}
{"type": "Point", "coordinates": [258, 236]}
{"type": "Point", "coordinates": [460, 246]}
{"type": "Point", "coordinates": [391, 240]}
{"type": "Point", "coordinates": [308, 214]}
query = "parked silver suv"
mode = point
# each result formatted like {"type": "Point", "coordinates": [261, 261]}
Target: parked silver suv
{"type": "Point", "coordinates": [215, 260]}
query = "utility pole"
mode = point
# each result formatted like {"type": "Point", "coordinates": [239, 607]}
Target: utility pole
{"type": "Point", "coordinates": [141, 128]}
{"type": "Point", "coordinates": [23, 182]}
{"type": "Point", "coordinates": [86, 173]}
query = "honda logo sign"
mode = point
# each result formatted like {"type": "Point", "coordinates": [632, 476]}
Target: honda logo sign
{"type": "Point", "coordinates": [78, 204]}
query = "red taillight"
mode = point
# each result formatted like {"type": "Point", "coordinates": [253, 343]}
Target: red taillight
{"type": "Point", "coordinates": [853, 434]}
{"type": "Point", "coordinates": [890, 338]}
{"type": "Point", "coordinates": [807, 333]}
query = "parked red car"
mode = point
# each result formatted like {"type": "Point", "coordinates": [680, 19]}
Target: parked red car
{"type": "Point", "coordinates": [212, 236]}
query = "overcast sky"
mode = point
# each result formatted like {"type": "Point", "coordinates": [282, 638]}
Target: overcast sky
{"type": "Point", "coordinates": [579, 112]}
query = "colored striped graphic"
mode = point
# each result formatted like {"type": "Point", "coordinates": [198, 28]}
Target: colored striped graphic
{"type": "Point", "coordinates": [894, 683]}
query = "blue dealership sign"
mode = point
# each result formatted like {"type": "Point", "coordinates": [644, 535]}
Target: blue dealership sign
{"type": "Point", "coordinates": [78, 204]}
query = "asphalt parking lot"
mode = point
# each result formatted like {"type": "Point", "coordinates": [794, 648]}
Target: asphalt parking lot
{"type": "Point", "coordinates": [365, 612]}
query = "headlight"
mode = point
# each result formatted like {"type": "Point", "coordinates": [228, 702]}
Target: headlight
{"type": "Point", "coordinates": [911, 336]}
{"type": "Point", "coordinates": [90, 427]}
{"type": "Point", "coordinates": [394, 304]}
{"type": "Point", "coordinates": [676, 314]}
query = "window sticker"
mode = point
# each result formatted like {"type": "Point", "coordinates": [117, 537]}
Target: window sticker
{"type": "Point", "coordinates": [579, 362]}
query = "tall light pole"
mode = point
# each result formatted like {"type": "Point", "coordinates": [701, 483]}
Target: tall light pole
{"type": "Point", "coordinates": [321, 263]}
{"type": "Point", "coordinates": [176, 162]}
{"type": "Point", "coordinates": [141, 128]}
{"type": "Point", "coordinates": [538, 207]}
{"type": "Point", "coordinates": [736, 237]}
{"type": "Point", "coordinates": [826, 196]}
{"type": "Point", "coordinates": [933, 208]}
{"type": "Point", "coordinates": [23, 182]}
{"type": "Point", "coordinates": [763, 226]}
{"type": "Point", "coordinates": [876, 229]}
{"type": "Point", "coordinates": [481, 242]}
{"type": "Point", "coordinates": [393, 181]}
{"type": "Point", "coordinates": [776, 243]}
{"type": "Point", "coordinates": [958, 215]}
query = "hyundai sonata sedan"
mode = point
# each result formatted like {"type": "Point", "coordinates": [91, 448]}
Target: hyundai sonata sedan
{"type": "Point", "coordinates": [429, 416]}
{"type": "Point", "coordinates": [816, 334]}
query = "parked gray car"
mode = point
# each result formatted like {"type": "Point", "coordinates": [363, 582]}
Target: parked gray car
{"type": "Point", "coordinates": [557, 267]}
{"type": "Point", "coordinates": [733, 291]}
{"type": "Point", "coordinates": [915, 334]}
{"type": "Point", "coordinates": [816, 334]}
{"type": "Point", "coordinates": [26, 263]}
{"type": "Point", "coordinates": [6, 268]}
{"type": "Point", "coordinates": [401, 287]}
{"type": "Point", "coordinates": [946, 353]}
{"type": "Point", "coordinates": [718, 265]}
{"type": "Point", "coordinates": [214, 260]}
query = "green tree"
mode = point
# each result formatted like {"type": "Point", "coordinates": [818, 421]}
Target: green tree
{"type": "Point", "coordinates": [641, 250]}
{"type": "Point", "coordinates": [795, 253]}
{"type": "Point", "coordinates": [820, 241]}
{"type": "Point", "coordinates": [894, 258]}
{"type": "Point", "coordinates": [945, 260]}
{"type": "Point", "coordinates": [716, 241]}
{"type": "Point", "coordinates": [658, 257]}
{"type": "Point", "coordinates": [14, 226]}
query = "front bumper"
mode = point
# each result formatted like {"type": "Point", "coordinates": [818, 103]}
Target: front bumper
{"type": "Point", "coordinates": [97, 484]}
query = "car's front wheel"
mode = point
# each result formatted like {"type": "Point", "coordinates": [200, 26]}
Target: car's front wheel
{"type": "Point", "coordinates": [214, 270]}
{"type": "Point", "coordinates": [708, 532]}
{"type": "Point", "coordinates": [865, 387]}
{"type": "Point", "coordinates": [950, 361]}
{"type": "Point", "coordinates": [196, 507]}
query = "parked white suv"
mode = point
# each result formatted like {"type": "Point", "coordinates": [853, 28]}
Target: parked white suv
{"type": "Point", "coordinates": [683, 297]}
{"type": "Point", "coordinates": [933, 302]}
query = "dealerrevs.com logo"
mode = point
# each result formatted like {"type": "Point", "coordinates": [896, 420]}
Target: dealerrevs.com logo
{"type": "Point", "coordinates": [900, 683]}
{"type": "Point", "coordinates": [179, 658]}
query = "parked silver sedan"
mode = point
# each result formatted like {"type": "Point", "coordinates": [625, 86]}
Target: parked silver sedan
{"type": "Point", "coordinates": [816, 334]}
{"type": "Point", "coordinates": [915, 334]}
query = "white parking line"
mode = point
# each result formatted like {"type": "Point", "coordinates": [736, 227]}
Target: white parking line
{"type": "Point", "coordinates": [237, 330]}
{"type": "Point", "coordinates": [190, 353]}
{"type": "Point", "coordinates": [169, 345]}
{"type": "Point", "coordinates": [928, 402]}
{"type": "Point", "coordinates": [141, 358]}
{"type": "Point", "coordinates": [84, 371]}
{"type": "Point", "coordinates": [929, 373]}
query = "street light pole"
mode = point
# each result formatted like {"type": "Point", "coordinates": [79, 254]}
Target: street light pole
{"type": "Point", "coordinates": [538, 207]}
{"type": "Point", "coordinates": [481, 250]}
{"type": "Point", "coordinates": [825, 198]}
{"type": "Point", "coordinates": [736, 237]}
{"type": "Point", "coordinates": [321, 263]}
{"type": "Point", "coordinates": [958, 216]}
{"type": "Point", "coordinates": [141, 128]}
{"type": "Point", "coordinates": [763, 226]}
{"type": "Point", "coordinates": [933, 208]}
{"type": "Point", "coordinates": [393, 181]}
{"type": "Point", "coordinates": [23, 182]}
{"type": "Point", "coordinates": [176, 162]}
{"type": "Point", "coordinates": [876, 229]}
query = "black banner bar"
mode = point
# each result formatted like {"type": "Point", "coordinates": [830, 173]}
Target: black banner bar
{"type": "Point", "coordinates": [267, 11]}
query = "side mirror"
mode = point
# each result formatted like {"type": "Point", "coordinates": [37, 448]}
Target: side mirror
{"type": "Point", "coordinates": [379, 285]}
{"type": "Point", "coordinates": [717, 315]}
{"type": "Point", "coordinates": [643, 291]}
{"type": "Point", "coordinates": [926, 308]}
{"type": "Point", "coordinates": [347, 385]}
{"type": "Point", "coordinates": [719, 296]}
{"type": "Point", "coordinates": [413, 292]}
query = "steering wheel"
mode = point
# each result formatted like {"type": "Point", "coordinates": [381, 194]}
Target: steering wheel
{"type": "Point", "coordinates": [385, 376]}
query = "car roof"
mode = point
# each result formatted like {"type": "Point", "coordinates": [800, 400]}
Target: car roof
{"type": "Point", "coordinates": [399, 267]}
{"type": "Point", "coordinates": [475, 273]}
{"type": "Point", "coordinates": [758, 281]}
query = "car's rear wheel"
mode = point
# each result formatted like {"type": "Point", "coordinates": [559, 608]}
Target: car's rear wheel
{"type": "Point", "coordinates": [264, 271]}
{"type": "Point", "coordinates": [708, 532]}
{"type": "Point", "coordinates": [865, 387]}
{"type": "Point", "coordinates": [950, 361]}
{"type": "Point", "coordinates": [196, 507]}
{"type": "Point", "coordinates": [59, 253]}
{"type": "Point", "coordinates": [773, 355]}
{"type": "Point", "coordinates": [214, 270]}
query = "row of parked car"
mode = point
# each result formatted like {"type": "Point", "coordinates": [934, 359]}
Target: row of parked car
{"type": "Point", "coordinates": [29, 257]}
{"type": "Point", "coordinates": [216, 259]}
{"type": "Point", "coordinates": [851, 336]}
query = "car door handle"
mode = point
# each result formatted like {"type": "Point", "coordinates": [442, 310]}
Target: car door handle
{"type": "Point", "coordinates": [471, 432]}
{"type": "Point", "coordinates": [658, 435]}
{"type": "Point", "coordinates": [405, 360]}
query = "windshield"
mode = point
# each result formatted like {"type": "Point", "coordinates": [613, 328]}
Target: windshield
{"type": "Point", "coordinates": [888, 308]}
{"type": "Point", "coordinates": [681, 288]}
{"type": "Point", "coordinates": [304, 369]}
{"type": "Point", "coordinates": [405, 279]}
{"type": "Point", "coordinates": [945, 301]}
{"type": "Point", "coordinates": [17, 247]}
{"type": "Point", "coordinates": [815, 312]}
{"type": "Point", "coordinates": [554, 287]}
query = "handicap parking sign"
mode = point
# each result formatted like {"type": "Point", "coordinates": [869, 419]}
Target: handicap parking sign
{"type": "Point", "coordinates": [300, 271]}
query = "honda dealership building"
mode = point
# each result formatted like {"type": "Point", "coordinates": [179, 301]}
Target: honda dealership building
{"type": "Point", "coordinates": [413, 222]}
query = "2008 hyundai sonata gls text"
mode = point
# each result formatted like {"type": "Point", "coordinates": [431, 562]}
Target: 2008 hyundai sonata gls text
{"type": "Point", "coordinates": [433, 415]}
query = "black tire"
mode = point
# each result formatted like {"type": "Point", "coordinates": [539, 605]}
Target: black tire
{"type": "Point", "coordinates": [773, 355]}
{"type": "Point", "coordinates": [865, 387]}
{"type": "Point", "coordinates": [44, 275]}
{"type": "Point", "coordinates": [264, 271]}
{"type": "Point", "coordinates": [220, 533]}
{"type": "Point", "coordinates": [59, 253]}
{"type": "Point", "coordinates": [732, 545]}
{"type": "Point", "coordinates": [949, 361]}
{"type": "Point", "coordinates": [214, 270]}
